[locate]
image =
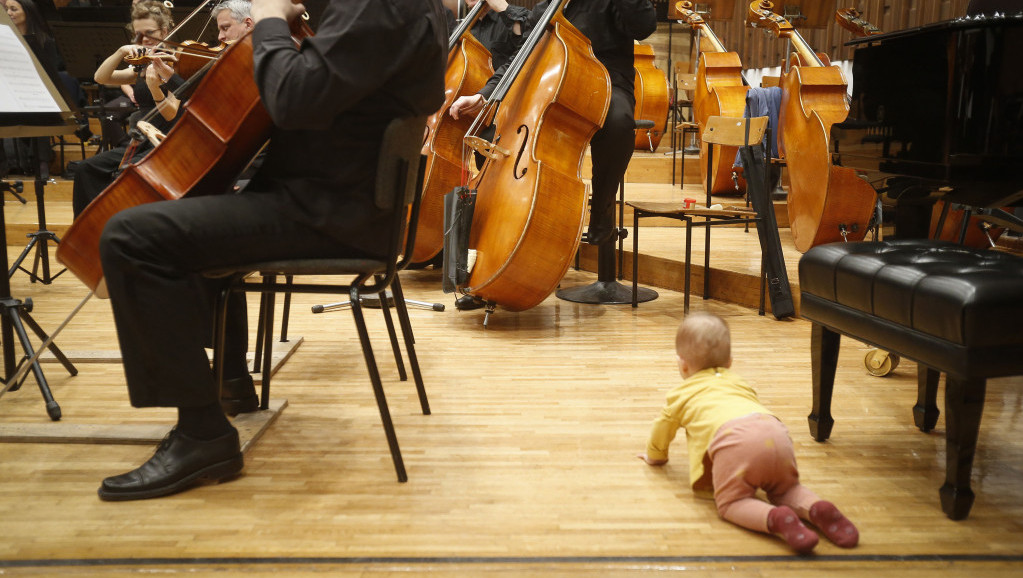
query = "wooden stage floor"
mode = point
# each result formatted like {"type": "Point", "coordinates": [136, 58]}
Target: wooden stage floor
{"type": "Point", "coordinates": [525, 467]}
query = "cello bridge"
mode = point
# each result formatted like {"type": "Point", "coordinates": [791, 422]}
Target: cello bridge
{"type": "Point", "coordinates": [486, 148]}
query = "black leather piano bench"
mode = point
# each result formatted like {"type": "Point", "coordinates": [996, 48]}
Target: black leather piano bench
{"type": "Point", "coordinates": [952, 309]}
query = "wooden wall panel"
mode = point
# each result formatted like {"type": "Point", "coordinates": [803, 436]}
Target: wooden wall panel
{"type": "Point", "coordinates": [759, 49]}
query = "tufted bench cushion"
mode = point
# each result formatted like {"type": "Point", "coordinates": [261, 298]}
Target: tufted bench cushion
{"type": "Point", "coordinates": [952, 309]}
{"type": "Point", "coordinates": [935, 302]}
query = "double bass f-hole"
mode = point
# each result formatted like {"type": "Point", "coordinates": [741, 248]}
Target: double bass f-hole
{"type": "Point", "coordinates": [521, 173]}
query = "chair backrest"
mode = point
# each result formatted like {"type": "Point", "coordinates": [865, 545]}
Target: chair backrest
{"type": "Point", "coordinates": [399, 182]}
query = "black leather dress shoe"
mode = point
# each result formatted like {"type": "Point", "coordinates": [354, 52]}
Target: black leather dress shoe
{"type": "Point", "coordinates": [238, 395]}
{"type": "Point", "coordinates": [179, 463]}
{"type": "Point", "coordinates": [468, 303]}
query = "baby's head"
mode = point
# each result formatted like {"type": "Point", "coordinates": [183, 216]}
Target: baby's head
{"type": "Point", "coordinates": [702, 341]}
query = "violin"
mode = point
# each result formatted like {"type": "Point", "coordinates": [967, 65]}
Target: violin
{"type": "Point", "coordinates": [720, 91]}
{"type": "Point", "coordinates": [467, 71]}
{"type": "Point", "coordinates": [651, 92]}
{"type": "Point", "coordinates": [826, 202]}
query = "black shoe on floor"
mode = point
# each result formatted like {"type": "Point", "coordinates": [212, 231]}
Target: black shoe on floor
{"type": "Point", "coordinates": [238, 395]}
{"type": "Point", "coordinates": [468, 303]}
{"type": "Point", "coordinates": [179, 463]}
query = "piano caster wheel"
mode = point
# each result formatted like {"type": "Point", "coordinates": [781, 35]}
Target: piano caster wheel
{"type": "Point", "coordinates": [880, 363]}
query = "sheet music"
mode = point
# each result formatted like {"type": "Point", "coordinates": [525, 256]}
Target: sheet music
{"type": "Point", "coordinates": [21, 89]}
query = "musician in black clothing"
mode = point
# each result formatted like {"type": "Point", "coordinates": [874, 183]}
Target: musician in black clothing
{"type": "Point", "coordinates": [330, 100]}
{"type": "Point", "coordinates": [499, 30]}
{"type": "Point", "coordinates": [611, 26]}
{"type": "Point", "coordinates": [153, 87]}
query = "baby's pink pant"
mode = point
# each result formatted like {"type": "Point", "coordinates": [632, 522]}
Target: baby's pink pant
{"type": "Point", "coordinates": [753, 452]}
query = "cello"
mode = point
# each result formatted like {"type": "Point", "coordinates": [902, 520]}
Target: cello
{"type": "Point", "coordinates": [530, 198]}
{"type": "Point", "coordinates": [720, 91]}
{"type": "Point", "coordinates": [651, 94]}
{"type": "Point", "coordinates": [826, 202]}
{"type": "Point", "coordinates": [222, 127]}
{"type": "Point", "coordinates": [468, 69]}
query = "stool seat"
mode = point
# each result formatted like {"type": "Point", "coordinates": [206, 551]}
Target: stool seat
{"type": "Point", "coordinates": [952, 309]}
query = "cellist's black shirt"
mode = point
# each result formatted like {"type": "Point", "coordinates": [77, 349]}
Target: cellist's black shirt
{"type": "Point", "coordinates": [369, 62]}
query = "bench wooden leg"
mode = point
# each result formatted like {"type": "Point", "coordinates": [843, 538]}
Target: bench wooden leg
{"type": "Point", "coordinates": [964, 403]}
{"type": "Point", "coordinates": [925, 412]}
{"type": "Point", "coordinates": [824, 345]}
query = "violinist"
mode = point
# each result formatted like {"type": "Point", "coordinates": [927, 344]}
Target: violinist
{"type": "Point", "coordinates": [330, 100]}
{"type": "Point", "coordinates": [612, 26]}
{"type": "Point", "coordinates": [152, 88]}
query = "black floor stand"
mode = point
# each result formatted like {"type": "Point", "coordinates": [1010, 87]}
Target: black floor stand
{"type": "Point", "coordinates": [607, 290]}
{"type": "Point", "coordinates": [15, 188]}
{"type": "Point", "coordinates": [373, 302]}
{"type": "Point", "coordinates": [41, 237]}
{"type": "Point", "coordinates": [14, 315]}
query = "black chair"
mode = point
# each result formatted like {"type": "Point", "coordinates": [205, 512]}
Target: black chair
{"type": "Point", "coordinates": [398, 188]}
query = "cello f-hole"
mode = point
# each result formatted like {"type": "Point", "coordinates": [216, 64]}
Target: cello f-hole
{"type": "Point", "coordinates": [519, 174]}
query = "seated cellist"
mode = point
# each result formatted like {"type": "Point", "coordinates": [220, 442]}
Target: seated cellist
{"type": "Point", "coordinates": [330, 100]}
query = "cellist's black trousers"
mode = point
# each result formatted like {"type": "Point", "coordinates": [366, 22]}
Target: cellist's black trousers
{"type": "Point", "coordinates": [152, 257]}
{"type": "Point", "coordinates": [610, 152]}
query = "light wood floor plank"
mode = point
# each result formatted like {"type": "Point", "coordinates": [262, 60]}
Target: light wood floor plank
{"type": "Point", "coordinates": [525, 467]}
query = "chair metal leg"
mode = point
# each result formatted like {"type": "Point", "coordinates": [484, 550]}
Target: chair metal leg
{"type": "Point", "coordinates": [392, 335]}
{"type": "Point", "coordinates": [378, 387]}
{"type": "Point", "coordinates": [268, 350]}
{"type": "Point", "coordinates": [406, 331]}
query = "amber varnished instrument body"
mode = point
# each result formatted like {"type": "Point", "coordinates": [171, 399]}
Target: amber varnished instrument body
{"type": "Point", "coordinates": [651, 93]}
{"type": "Point", "coordinates": [222, 127]}
{"type": "Point", "coordinates": [823, 199]}
{"type": "Point", "coordinates": [720, 91]}
{"type": "Point", "coordinates": [530, 204]}
{"type": "Point", "coordinates": [468, 69]}
{"type": "Point", "coordinates": [826, 203]}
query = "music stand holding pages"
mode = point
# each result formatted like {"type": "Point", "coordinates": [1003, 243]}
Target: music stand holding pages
{"type": "Point", "coordinates": [30, 106]}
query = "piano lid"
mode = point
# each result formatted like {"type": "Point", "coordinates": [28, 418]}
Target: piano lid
{"type": "Point", "coordinates": [943, 105]}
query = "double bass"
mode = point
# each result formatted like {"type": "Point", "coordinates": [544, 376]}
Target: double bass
{"type": "Point", "coordinates": [222, 127]}
{"type": "Point", "coordinates": [530, 198]}
{"type": "Point", "coordinates": [468, 69]}
{"type": "Point", "coordinates": [720, 91]}
{"type": "Point", "coordinates": [826, 202]}
{"type": "Point", "coordinates": [651, 92]}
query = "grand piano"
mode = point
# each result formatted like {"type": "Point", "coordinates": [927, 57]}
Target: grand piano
{"type": "Point", "coordinates": [939, 109]}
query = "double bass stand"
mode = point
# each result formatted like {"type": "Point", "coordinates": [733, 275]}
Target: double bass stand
{"type": "Point", "coordinates": [607, 290]}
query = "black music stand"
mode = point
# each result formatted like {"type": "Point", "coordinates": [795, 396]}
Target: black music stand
{"type": "Point", "coordinates": [42, 235]}
{"type": "Point", "coordinates": [28, 114]}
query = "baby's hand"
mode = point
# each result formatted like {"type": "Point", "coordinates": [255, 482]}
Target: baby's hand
{"type": "Point", "coordinates": [652, 462]}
